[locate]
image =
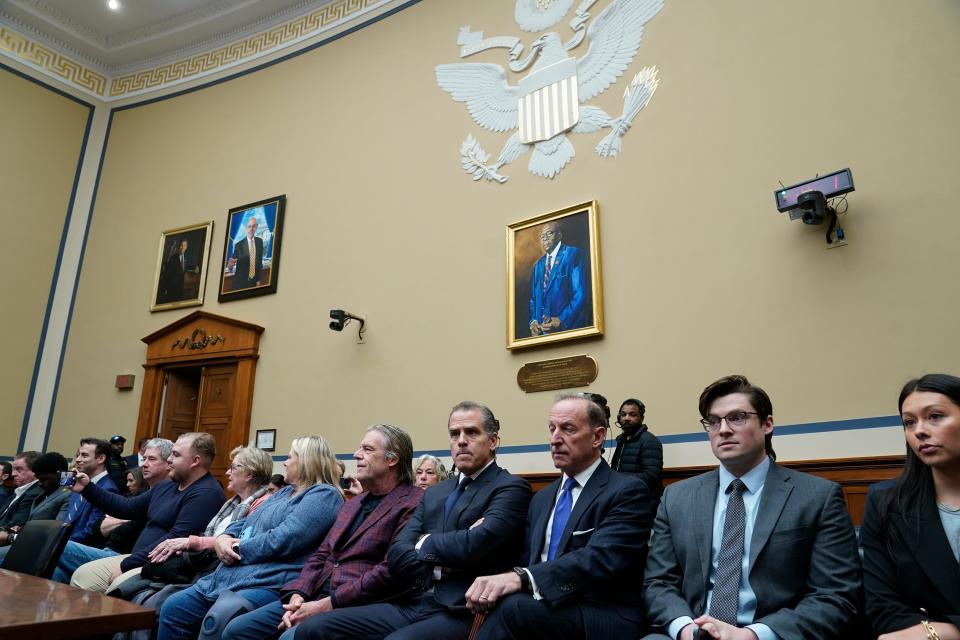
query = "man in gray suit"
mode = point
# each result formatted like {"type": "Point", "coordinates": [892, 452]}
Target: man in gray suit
{"type": "Point", "coordinates": [752, 550]}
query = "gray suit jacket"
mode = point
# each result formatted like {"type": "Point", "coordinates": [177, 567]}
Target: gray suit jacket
{"type": "Point", "coordinates": [53, 506]}
{"type": "Point", "coordinates": [804, 565]}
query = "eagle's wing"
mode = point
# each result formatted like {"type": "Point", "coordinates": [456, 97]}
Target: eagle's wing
{"type": "Point", "coordinates": [614, 39]}
{"type": "Point", "coordinates": [492, 102]}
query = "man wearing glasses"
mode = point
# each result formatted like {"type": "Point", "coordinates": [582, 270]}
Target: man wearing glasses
{"type": "Point", "coordinates": [559, 294]}
{"type": "Point", "coordinates": [753, 550]}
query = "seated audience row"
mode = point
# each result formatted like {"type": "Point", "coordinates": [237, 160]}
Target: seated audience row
{"type": "Point", "coordinates": [751, 550]}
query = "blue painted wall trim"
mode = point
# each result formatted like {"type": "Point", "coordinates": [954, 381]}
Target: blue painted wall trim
{"type": "Point", "coordinates": [878, 422]}
{"type": "Point", "coordinates": [63, 239]}
{"type": "Point", "coordinates": [76, 285]}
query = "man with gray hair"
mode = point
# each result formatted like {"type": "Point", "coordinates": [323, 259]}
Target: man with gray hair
{"type": "Point", "coordinates": [174, 508]}
{"type": "Point", "coordinates": [587, 538]}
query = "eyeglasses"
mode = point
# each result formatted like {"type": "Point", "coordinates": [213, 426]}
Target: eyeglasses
{"type": "Point", "coordinates": [734, 420]}
{"type": "Point", "coordinates": [235, 467]}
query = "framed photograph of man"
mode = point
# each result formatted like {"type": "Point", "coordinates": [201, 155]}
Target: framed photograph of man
{"type": "Point", "coordinates": [181, 276]}
{"type": "Point", "coordinates": [553, 277]}
{"type": "Point", "coordinates": [251, 250]}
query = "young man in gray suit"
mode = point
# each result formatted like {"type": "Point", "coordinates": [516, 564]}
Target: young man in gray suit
{"type": "Point", "coordinates": [752, 550]}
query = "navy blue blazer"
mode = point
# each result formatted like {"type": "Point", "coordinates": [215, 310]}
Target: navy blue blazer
{"type": "Point", "coordinates": [599, 564]}
{"type": "Point", "coordinates": [84, 516]}
{"type": "Point", "coordinates": [567, 295]}
{"type": "Point", "coordinates": [498, 497]}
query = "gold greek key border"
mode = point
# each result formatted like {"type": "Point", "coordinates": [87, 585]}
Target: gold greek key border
{"type": "Point", "coordinates": [238, 51]}
{"type": "Point", "coordinates": [56, 64]}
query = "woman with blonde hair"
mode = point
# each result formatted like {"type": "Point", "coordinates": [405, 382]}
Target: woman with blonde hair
{"type": "Point", "coordinates": [267, 549]}
{"type": "Point", "coordinates": [429, 470]}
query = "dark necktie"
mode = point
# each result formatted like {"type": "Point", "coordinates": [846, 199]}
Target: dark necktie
{"type": "Point", "coordinates": [726, 586]}
{"type": "Point", "coordinates": [561, 514]}
{"type": "Point", "coordinates": [546, 272]}
{"type": "Point", "coordinates": [453, 497]}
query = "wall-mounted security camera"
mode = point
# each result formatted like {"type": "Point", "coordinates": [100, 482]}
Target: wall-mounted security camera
{"type": "Point", "coordinates": [340, 318]}
{"type": "Point", "coordinates": [809, 202]}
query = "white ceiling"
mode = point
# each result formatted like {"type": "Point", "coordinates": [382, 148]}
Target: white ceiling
{"type": "Point", "coordinates": [143, 33]}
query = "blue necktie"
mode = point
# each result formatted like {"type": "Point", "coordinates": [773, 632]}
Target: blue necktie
{"type": "Point", "coordinates": [561, 514]}
{"type": "Point", "coordinates": [453, 497]}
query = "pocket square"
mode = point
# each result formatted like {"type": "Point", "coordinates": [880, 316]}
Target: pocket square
{"type": "Point", "coordinates": [584, 532]}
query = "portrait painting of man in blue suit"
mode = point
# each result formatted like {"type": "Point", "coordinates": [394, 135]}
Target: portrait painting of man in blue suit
{"type": "Point", "coordinates": [560, 294]}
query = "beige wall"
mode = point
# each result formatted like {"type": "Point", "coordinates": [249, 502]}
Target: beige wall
{"type": "Point", "coordinates": [42, 133]}
{"type": "Point", "coordinates": [702, 277]}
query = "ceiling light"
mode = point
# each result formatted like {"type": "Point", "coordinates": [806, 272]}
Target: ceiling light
{"type": "Point", "coordinates": [113, 4]}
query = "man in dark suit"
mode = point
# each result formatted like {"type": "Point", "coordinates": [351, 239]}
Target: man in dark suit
{"type": "Point", "coordinates": [6, 493]}
{"type": "Point", "coordinates": [463, 527]}
{"type": "Point", "coordinates": [587, 536]}
{"type": "Point", "coordinates": [27, 492]}
{"type": "Point", "coordinates": [350, 567]}
{"type": "Point", "coordinates": [173, 271]}
{"type": "Point", "coordinates": [135, 459]}
{"type": "Point", "coordinates": [248, 258]}
{"type": "Point", "coordinates": [559, 286]}
{"type": "Point", "coordinates": [752, 550]}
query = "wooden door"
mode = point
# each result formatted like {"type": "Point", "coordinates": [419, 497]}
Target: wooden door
{"type": "Point", "coordinates": [180, 402]}
{"type": "Point", "coordinates": [215, 413]}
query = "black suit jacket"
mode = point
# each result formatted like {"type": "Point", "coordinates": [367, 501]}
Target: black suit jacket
{"type": "Point", "coordinates": [599, 564]}
{"type": "Point", "coordinates": [498, 497]}
{"type": "Point", "coordinates": [18, 513]}
{"type": "Point", "coordinates": [241, 252]}
{"type": "Point", "coordinates": [907, 564]}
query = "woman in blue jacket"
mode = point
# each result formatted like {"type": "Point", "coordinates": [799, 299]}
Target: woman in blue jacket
{"type": "Point", "coordinates": [266, 550]}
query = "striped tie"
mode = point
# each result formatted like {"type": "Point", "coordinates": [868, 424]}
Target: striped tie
{"type": "Point", "coordinates": [546, 272]}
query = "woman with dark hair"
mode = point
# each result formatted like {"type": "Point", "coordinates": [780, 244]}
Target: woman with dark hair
{"type": "Point", "coordinates": [911, 526]}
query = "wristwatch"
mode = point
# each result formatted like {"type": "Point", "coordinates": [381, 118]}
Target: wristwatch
{"type": "Point", "coordinates": [524, 579]}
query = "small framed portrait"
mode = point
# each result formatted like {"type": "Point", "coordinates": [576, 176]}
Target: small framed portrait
{"type": "Point", "coordinates": [251, 251]}
{"type": "Point", "coordinates": [181, 275]}
{"type": "Point", "coordinates": [266, 439]}
{"type": "Point", "coordinates": [553, 277]}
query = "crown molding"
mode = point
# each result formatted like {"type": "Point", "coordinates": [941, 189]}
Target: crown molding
{"type": "Point", "coordinates": [214, 56]}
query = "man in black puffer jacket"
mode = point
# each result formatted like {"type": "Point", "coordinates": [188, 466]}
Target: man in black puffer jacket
{"type": "Point", "coordinates": [638, 451]}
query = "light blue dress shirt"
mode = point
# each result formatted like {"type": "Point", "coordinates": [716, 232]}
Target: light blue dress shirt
{"type": "Point", "coordinates": [747, 604]}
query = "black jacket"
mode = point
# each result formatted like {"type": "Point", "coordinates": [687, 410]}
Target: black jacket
{"type": "Point", "coordinates": [640, 452]}
{"type": "Point", "coordinates": [17, 514]}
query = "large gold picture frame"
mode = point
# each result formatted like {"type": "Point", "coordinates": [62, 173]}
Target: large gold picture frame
{"type": "Point", "coordinates": [561, 298]}
{"type": "Point", "coordinates": [180, 279]}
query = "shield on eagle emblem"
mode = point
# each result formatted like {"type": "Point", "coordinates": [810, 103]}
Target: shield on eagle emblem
{"type": "Point", "coordinates": [549, 103]}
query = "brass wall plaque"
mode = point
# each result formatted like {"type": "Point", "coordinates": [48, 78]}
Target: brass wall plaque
{"type": "Point", "coordinates": [559, 373]}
